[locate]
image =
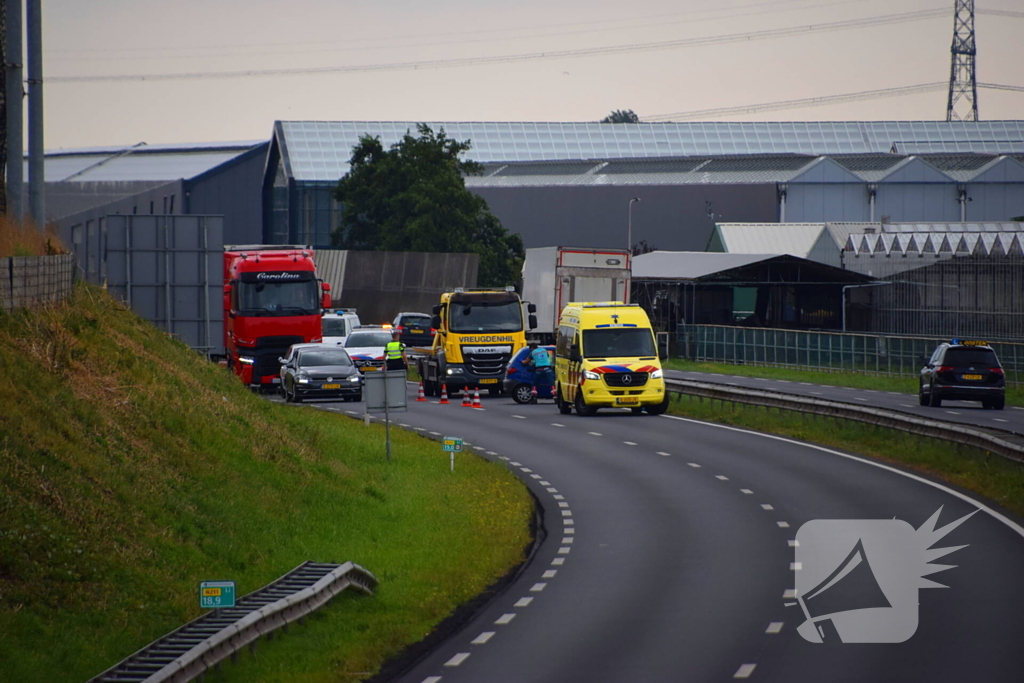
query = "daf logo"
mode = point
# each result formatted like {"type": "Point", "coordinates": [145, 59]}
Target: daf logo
{"type": "Point", "coordinates": [627, 378]}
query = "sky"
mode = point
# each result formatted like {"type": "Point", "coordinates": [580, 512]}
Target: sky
{"type": "Point", "coordinates": [121, 72]}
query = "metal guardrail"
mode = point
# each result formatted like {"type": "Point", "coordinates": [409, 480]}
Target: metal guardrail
{"type": "Point", "coordinates": [198, 646]}
{"type": "Point", "coordinates": [1006, 444]}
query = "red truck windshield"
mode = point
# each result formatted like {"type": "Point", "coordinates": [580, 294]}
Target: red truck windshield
{"type": "Point", "coordinates": [278, 298]}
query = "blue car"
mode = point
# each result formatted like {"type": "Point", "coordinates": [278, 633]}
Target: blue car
{"type": "Point", "coordinates": [520, 378]}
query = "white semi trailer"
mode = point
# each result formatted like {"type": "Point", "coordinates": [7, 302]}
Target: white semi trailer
{"type": "Point", "coordinates": [554, 276]}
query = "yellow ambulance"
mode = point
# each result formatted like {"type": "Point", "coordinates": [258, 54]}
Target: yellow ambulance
{"type": "Point", "coordinates": [606, 357]}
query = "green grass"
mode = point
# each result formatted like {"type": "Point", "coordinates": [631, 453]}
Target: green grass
{"type": "Point", "coordinates": [131, 469]}
{"type": "Point", "coordinates": [991, 476]}
{"type": "Point", "coordinates": [904, 385]}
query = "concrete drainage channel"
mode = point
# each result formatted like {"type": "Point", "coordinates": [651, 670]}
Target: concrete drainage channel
{"type": "Point", "coordinates": [1006, 444]}
{"type": "Point", "coordinates": [185, 654]}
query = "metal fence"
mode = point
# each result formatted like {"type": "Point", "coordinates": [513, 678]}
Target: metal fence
{"type": "Point", "coordinates": [830, 351]}
{"type": "Point", "coordinates": [27, 281]}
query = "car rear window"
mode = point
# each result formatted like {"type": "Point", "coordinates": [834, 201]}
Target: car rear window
{"type": "Point", "coordinates": [965, 356]}
{"type": "Point", "coordinates": [416, 322]}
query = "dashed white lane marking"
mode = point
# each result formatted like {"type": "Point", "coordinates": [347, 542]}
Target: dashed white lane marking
{"type": "Point", "coordinates": [629, 443]}
{"type": "Point", "coordinates": [432, 679]}
{"type": "Point", "coordinates": [999, 420]}
{"type": "Point", "coordinates": [416, 429]}
{"type": "Point", "coordinates": [515, 464]}
{"type": "Point", "coordinates": [505, 618]}
{"type": "Point", "coordinates": [807, 384]}
{"type": "Point", "coordinates": [537, 588]}
{"type": "Point", "coordinates": [482, 638]}
{"type": "Point", "coordinates": [520, 417]}
{"type": "Point", "coordinates": [435, 433]}
{"type": "Point", "coordinates": [562, 504]}
{"type": "Point", "coordinates": [952, 412]}
{"type": "Point", "coordinates": [907, 405]}
{"type": "Point", "coordinates": [557, 496]}
{"type": "Point", "coordinates": [558, 561]}
{"type": "Point", "coordinates": [793, 543]}
{"type": "Point", "coordinates": [761, 379]}
{"type": "Point", "coordinates": [595, 433]}
{"type": "Point", "coordinates": [664, 453]}
{"type": "Point", "coordinates": [567, 513]}
{"type": "Point", "coordinates": [523, 602]}
{"type": "Point", "coordinates": [555, 424]}
{"type": "Point", "coordinates": [784, 381]}
{"type": "Point", "coordinates": [402, 424]}
{"type": "Point", "coordinates": [796, 566]}
{"type": "Point", "coordinates": [505, 458]}
{"type": "Point", "coordinates": [783, 525]}
{"type": "Point", "coordinates": [747, 491]}
{"type": "Point", "coordinates": [745, 671]}
{"type": "Point", "coordinates": [564, 550]}
{"type": "Point", "coordinates": [790, 594]}
{"type": "Point", "coordinates": [816, 393]}
{"type": "Point", "coordinates": [351, 412]}
{"type": "Point", "coordinates": [526, 469]}
{"type": "Point", "coordinates": [535, 476]}
{"type": "Point", "coordinates": [568, 521]}
{"type": "Point", "coordinates": [545, 483]}
{"type": "Point", "coordinates": [693, 464]}
{"type": "Point", "coordinates": [491, 453]}
{"type": "Point", "coordinates": [457, 659]}
{"type": "Point", "coordinates": [569, 530]}
{"type": "Point", "coordinates": [858, 398]}
{"type": "Point", "coordinates": [766, 506]}
{"type": "Point", "coordinates": [722, 477]}
{"type": "Point", "coordinates": [774, 627]}
{"type": "Point", "coordinates": [549, 574]}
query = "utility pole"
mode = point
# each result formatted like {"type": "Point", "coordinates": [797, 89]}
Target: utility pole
{"type": "Point", "coordinates": [14, 94]}
{"type": "Point", "coordinates": [36, 179]}
{"type": "Point", "coordinates": [963, 84]}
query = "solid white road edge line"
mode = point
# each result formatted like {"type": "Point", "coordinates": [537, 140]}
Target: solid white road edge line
{"type": "Point", "coordinates": [956, 494]}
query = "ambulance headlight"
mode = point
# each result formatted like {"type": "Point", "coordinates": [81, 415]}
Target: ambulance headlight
{"type": "Point", "coordinates": [587, 374]}
{"type": "Point", "coordinates": [656, 374]}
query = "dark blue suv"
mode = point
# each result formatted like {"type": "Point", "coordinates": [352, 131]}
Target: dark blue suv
{"type": "Point", "coordinates": [520, 378]}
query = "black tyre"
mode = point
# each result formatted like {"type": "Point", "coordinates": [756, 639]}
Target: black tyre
{"type": "Point", "coordinates": [933, 399]}
{"type": "Point", "coordinates": [563, 407]}
{"type": "Point", "coordinates": [999, 403]}
{"type": "Point", "coordinates": [494, 392]}
{"type": "Point", "coordinates": [637, 411]}
{"type": "Point", "coordinates": [922, 398]}
{"type": "Point", "coordinates": [287, 396]}
{"type": "Point", "coordinates": [658, 408]}
{"type": "Point", "coordinates": [430, 388]}
{"type": "Point", "coordinates": [522, 393]}
{"type": "Point", "coordinates": [582, 409]}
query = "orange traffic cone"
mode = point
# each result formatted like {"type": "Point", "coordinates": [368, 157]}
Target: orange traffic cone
{"type": "Point", "coordinates": [444, 393]}
{"type": "Point", "coordinates": [553, 391]}
{"type": "Point", "coordinates": [421, 396]}
{"type": "Point", "coordinates": [534, 392]}
{"type": "Point", "coordinates": [466, 401]}
{"type": "Point", "coordinates": [476, 398]}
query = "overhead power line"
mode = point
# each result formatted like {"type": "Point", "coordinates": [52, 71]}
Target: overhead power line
{"type": "Point", "coordinates": [703, 114]}
{"type": "Point", "coordinates": [532, 56]}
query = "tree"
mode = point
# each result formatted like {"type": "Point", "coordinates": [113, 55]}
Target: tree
{"type": "Point", "coordinates": [621, 116]}
{"type": "Point", "coordinates": [413, 197]}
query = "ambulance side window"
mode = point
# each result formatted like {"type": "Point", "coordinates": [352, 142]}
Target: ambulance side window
{"type": "Point", "coordinates": [562, 341]}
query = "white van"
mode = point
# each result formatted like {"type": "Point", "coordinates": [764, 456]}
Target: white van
{"type": "Point", "coordinates": [338, 324]}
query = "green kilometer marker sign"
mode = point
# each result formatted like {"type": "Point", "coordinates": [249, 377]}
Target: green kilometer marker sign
{"type": "Point", "coordinates": [216, 594]}
{"type": "Point", "coordinates": [452, 444]}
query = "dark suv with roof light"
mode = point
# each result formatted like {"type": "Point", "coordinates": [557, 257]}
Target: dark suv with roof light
{"type": "Point", "coordinates": [963, 371]}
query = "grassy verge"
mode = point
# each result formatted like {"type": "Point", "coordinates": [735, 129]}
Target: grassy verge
{"type": "Point", "coordinates": [904, 385]}
{"type": "Point", "coordinates": [989, 475]}
{"type": "Point", "coordinates": [131, 469]}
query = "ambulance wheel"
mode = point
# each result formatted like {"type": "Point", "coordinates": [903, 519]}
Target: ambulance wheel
{"type": "Point", "coordinates": [658, 408]}
{"type": "Point", "coordinates": [637, 411]}
{"type": "Point", "coordinates": [563, 407]}
{"type": "Point", "coordinates": [522, 393]}
{"type": "Point", "coordinates": [582, 409]}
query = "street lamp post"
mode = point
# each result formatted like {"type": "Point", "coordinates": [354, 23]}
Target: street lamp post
{"type": "Point", "coordinates": [629, 234]}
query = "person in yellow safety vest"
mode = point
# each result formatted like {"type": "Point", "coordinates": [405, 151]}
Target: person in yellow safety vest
{"type": "Point", "coordinates": [394, 353]}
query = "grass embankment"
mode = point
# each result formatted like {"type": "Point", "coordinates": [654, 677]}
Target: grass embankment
{"type": "Point", "coordinates": [991, 476]}
{"type": "Point", "coordinates": [131, 469]}
{"type": "Point", "coordinates": [23, 239]}
{"type": "Point", "coordinates": [903, 385]}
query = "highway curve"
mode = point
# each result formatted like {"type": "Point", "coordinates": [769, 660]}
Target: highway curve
{"type": "Point", "coordinates": [668, 553]}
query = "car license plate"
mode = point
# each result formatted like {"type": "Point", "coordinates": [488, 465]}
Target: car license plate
{"type": "Point", "coordinates": [627, 401]}
{"type": "Point", "coordinates": [331, 386]}
{"type": "Point", "coordinates": [416, 331]}
{"type": "Point", "coordinates": [970, 376]}
{"type": "Point", "coordinates": [488, 381]}
{"type": "Point", "coordinates": [370, 368]}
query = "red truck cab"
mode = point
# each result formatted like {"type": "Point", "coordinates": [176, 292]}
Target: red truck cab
{"type": "Point", "coordinates": [272, 299]}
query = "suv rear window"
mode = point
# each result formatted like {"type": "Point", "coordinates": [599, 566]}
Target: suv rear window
{"type": "Point", "coordinates": [416, 322]}
{"type": "Point", "coordinates": [957, 356]}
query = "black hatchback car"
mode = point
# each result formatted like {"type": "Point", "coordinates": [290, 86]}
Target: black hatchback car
{"type": "Point", "coordinates": [414, 329]}
{"type": "Point", "coordinates": [319, 371]}
{"type": "Point", "coordinates": [963, 371]}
